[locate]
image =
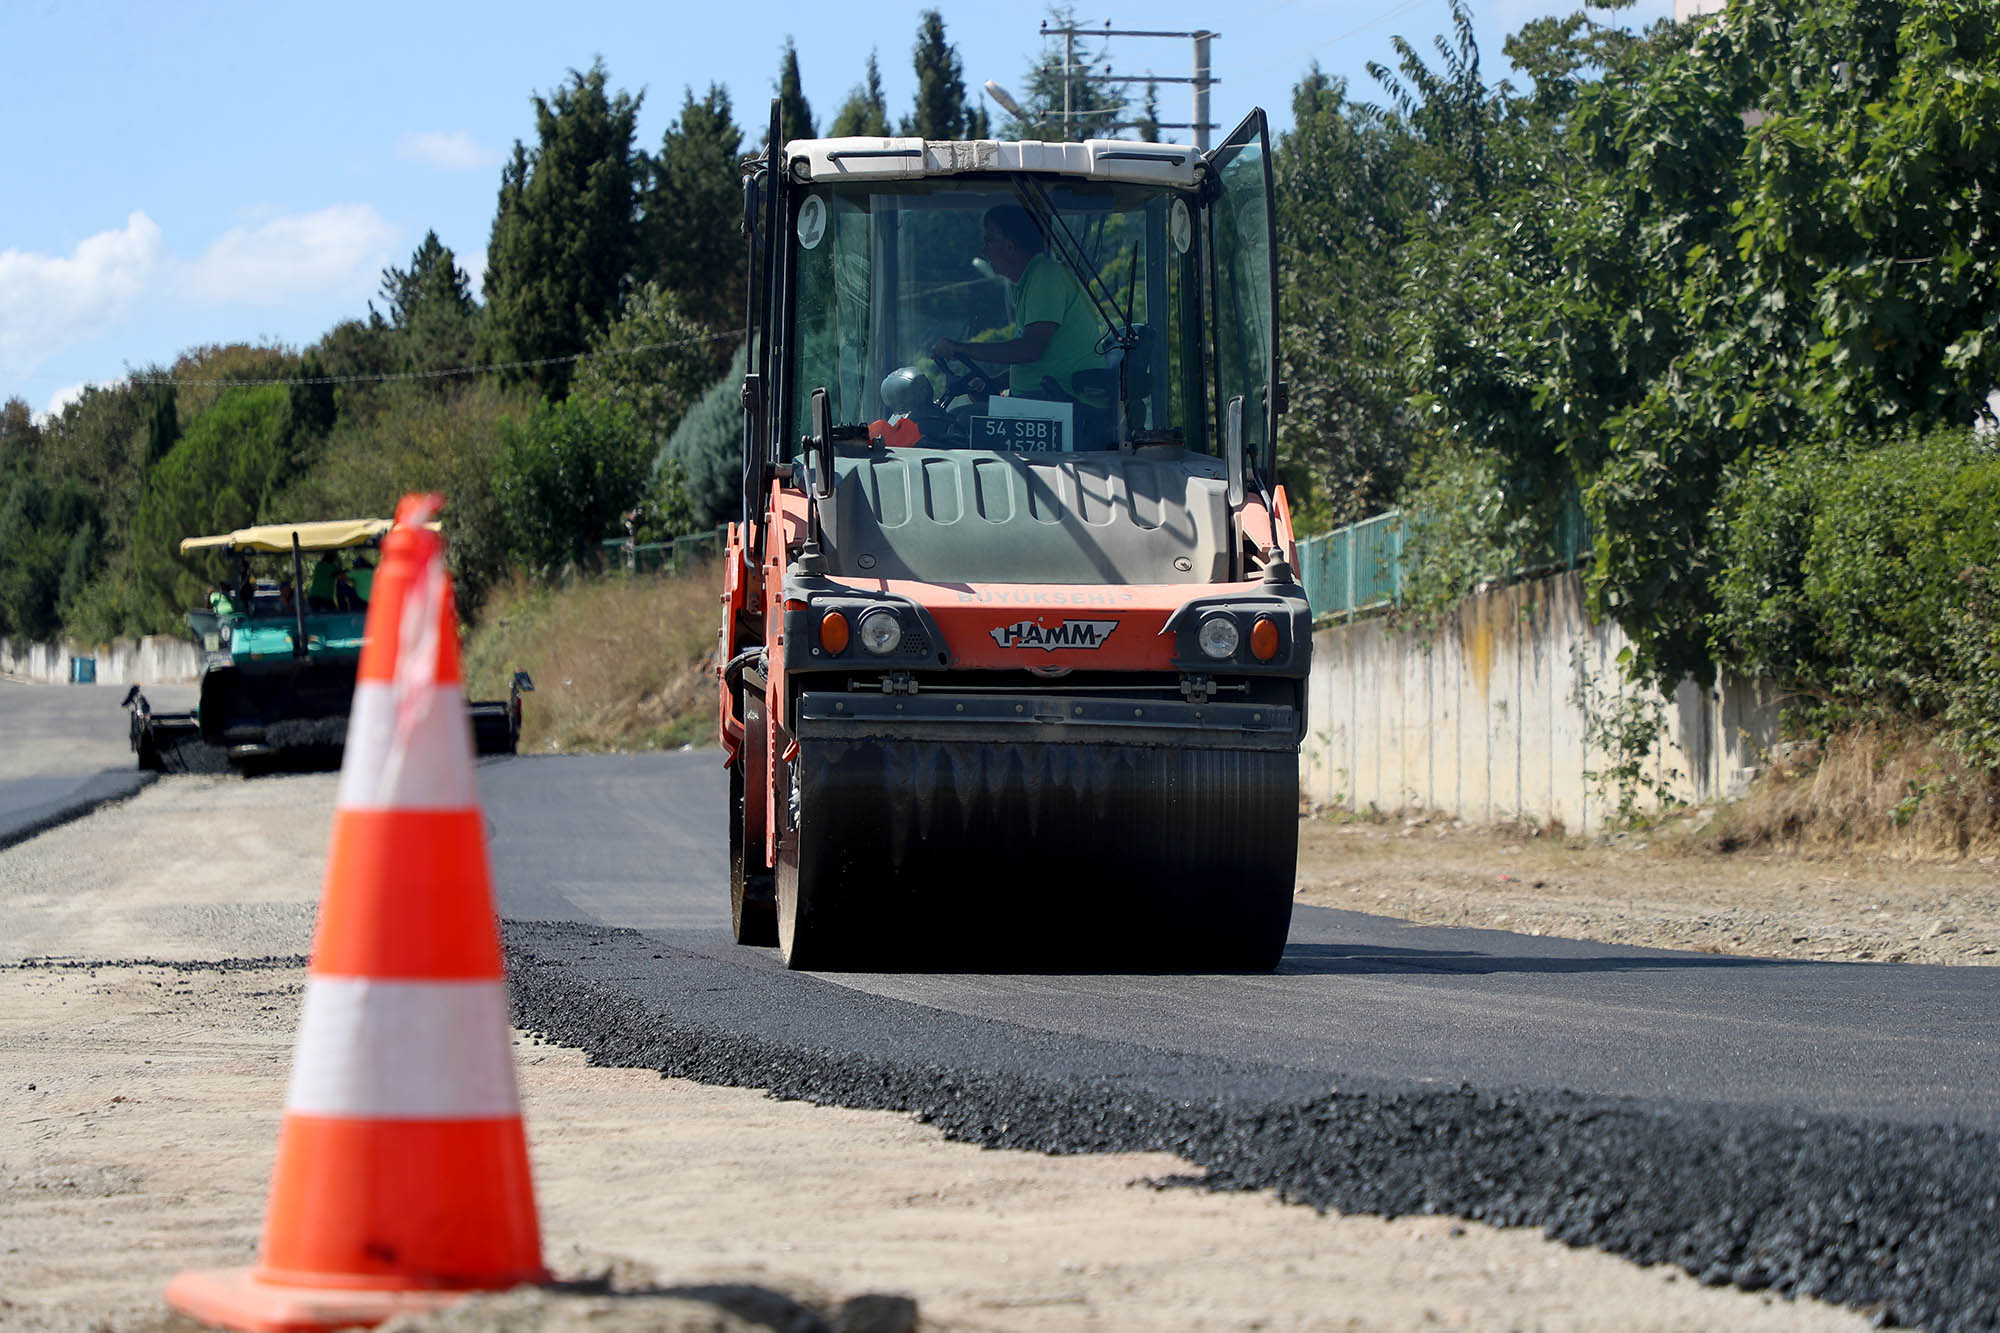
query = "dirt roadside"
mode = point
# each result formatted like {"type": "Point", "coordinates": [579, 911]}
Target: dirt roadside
{"type": "Point", "coordinates": [139, 1106]}
{"type": "Point", "coordinates": [1658, 892]}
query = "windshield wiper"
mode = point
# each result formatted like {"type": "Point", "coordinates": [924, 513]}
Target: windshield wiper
{"type": "Point", "coordinates": [1036, 196]}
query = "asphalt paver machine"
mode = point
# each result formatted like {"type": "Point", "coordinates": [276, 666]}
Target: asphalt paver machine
{"type": "Point", "coordinates": [279, 654]}
{"type": "Point", "coordinates": [1014, 663]}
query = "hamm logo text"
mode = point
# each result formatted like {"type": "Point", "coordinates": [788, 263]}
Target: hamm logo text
{"type": "Point", "coordinates": [1048, 638]}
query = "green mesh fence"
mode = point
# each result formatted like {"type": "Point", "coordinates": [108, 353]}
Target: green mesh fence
{"type": "Point", "coordinates": [670, 557]}
{"type": "Point", "coordinates": [1359, 568]}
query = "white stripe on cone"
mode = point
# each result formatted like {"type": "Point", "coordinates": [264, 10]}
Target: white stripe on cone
{"type": "Point", "coordinates": [404, 1050]}
{"type": "Point", "coordinates": [432, 763]}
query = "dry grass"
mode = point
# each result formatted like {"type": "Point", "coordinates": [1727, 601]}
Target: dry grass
{"type": "Point", "coordinates": [1898, 792]}
{"type": "Point", "coordinates": [619, 662]}
{"type": "Point", "coordinates": [627, 663]}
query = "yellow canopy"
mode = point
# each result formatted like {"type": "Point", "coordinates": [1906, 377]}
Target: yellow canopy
{"type": "Point", "coordinates": [330, 535]}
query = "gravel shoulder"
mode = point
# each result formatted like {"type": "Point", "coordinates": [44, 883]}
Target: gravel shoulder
{"type": "Point", "coordinates": [139, 1103]}
{"type": "Point", "coordinates": [1660, 892]}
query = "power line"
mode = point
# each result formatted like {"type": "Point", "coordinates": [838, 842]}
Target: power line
{"type": "Point", "coordinates": [383, 377]}
{"type": "Point", "coordinates": [1358, 29]}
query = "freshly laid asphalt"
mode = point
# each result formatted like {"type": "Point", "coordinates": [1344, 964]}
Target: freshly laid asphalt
{"type": "Point", "coordinates": [1822, 1129]}
{"type": "Point", "coordinates": [1830, 1129]}
{"type": "Point", "coordinates": [65, 750]}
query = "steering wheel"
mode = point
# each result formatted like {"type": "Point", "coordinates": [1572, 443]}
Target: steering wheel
{"type": "Point", "coordinates": [964, 378]}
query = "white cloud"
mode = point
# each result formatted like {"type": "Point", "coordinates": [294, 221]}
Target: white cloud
{"type": "Point", "coordinates": [274, 260]}
{"type": "Point", "coordinates": [447, 150]}
{"type": "Point", "coordinates": [50, 302]}
{"type": "Point", "coordinates": [474, 267]}
{"type": "Point", "coordinates": [60, 399]}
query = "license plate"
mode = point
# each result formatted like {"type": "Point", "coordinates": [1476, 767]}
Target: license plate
{"type": "Point", "coordinates": [1028, 435]}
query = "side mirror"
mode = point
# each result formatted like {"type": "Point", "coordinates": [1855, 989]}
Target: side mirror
{"type": "Point", "coordinates": [819, 446]}
{"type": "Point", "coordinates": [753, 197]}
{"type": "Point", "coordinates": [1232, 450]}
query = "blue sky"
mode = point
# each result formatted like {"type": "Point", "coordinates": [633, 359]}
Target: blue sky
{"type": "Point", "coordinates": [180, 174]}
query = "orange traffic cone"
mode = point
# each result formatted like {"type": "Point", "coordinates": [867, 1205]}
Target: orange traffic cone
{"type": "Point", "coordinates": [402, 1173]}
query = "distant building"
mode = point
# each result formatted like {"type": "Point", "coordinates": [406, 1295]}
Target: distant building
{"type": "Point", "coordinates": [1687, 9]}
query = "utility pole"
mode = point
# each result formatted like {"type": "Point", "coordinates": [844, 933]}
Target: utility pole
{"type": "Point", "coordinates": [1202, 80]}
{"type": "Point", "coordinates": [1069, 62]}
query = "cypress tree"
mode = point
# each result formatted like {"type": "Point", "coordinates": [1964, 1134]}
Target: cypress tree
{"type": "Point", "coordinates": [690, 231]}
{"type": "Point", "coordinates": [795, 117]}
{"type": "Point", "coordinates": [565, 233]}
{"type": "Point", "coordinates": [941, 105]}
{"type": "Point", "coordinates": [865, 112]}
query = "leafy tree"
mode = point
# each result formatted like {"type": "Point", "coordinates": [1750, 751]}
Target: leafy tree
{"type": "Point", "coordinates": [1849, 573]}
{"type": "Point", "coordinates": [1348, 194]}
{"type": "Point", "coordinates": [222, 475]}
{"type": "Point", "coordinates": [565, 476]}
{"type": "Point", "coordinates": [1754, 235]}
{"type": "Point", "coordinates": [691, 220]}
{"type": "Point", "coordinates": [654, 360]}
{"type": "Point", "coordinates": [202, 375]}
{"type": "Point", "coordinates": [795, 117]}
{"type": "Point", "coordinates": [20, 437]}
{"type": "Point", "coordinates": [419, 438]}
{"type": "Point", "coordinates": [39, 531]}
{"type": "Point", "coordinates": [707, 449]}
{"type": "Point", "coordinates": [1450, 109]}
{"type": "Point", "coordinates": [369, 348]}
{"type": "Point", "coordinates": [1562, 55]}
{"type": "Point", "coordinates": [431, 308]}
{"type": "Point", "coordinates": [942, 111]}
{"type": "Point", "coordinates": [565, 232]}
{"type": "Point", "coordinates": [106, 439]}
{"type": "Point", "coordinates": [865, 112]}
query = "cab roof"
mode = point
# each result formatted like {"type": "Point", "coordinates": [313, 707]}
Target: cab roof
{"type": "Point", "coordinates": [867, 158]}
{"type": "Point", "coordinates": [328, 535]}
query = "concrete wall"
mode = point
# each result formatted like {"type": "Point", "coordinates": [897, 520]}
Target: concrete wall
{"type": "Point", "coordinates": [1489, 718]}
{"type": "Point", "coordinates": [154, 660]}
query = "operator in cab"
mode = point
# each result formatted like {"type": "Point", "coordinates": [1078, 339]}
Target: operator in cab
{"type": "Point", "coordinates": [1057, 329]}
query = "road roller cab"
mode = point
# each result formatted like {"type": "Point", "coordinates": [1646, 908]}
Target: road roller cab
{"type": "Point", "coordinates": [1014, 651]}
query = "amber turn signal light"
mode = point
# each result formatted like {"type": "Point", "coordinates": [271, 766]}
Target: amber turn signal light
{"type": "Point", "coordinates": [833, 632]}
{"type": "Point", "coordinates": [1264, 639]}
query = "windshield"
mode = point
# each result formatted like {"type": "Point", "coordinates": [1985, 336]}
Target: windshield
{"type": "Point", "coordinates": [1066, 311]}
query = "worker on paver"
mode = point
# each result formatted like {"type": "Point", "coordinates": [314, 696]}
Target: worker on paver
{"type": "Point", "coordinates": [319, 588]}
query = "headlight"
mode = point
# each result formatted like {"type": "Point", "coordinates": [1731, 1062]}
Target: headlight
{"type": "Point", "coordinates": [881, 632]}
{"type": "Point", "coordinates": [1218, 637]}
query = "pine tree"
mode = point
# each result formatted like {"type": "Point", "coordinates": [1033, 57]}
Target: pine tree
{"type": "Point", "coordinates": [431, 308]}
{"type": "Point", "coordinates": [566, 231]}
{"type": "Point", "coordinates": [795, 117]}
{"type": "Point", "coordinates": [690, 231]}
{"type": "Point", "coordinates": [865, 112]}
{"type": "Point", "coordinates": [1068, 94]}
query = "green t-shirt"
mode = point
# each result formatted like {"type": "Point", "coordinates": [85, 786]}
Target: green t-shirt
{"type": "Point", "coordinates": [319, 587]}
{"type": "Point", "coordinates": [1047, 294]}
